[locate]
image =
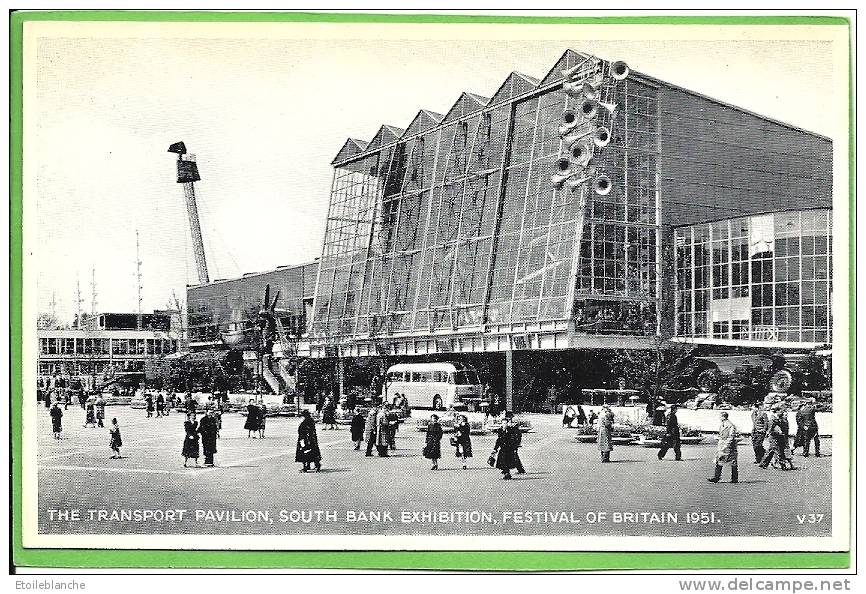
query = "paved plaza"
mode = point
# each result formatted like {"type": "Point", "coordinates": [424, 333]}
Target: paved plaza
{"type": "Point", "coordinates": [256, 487]}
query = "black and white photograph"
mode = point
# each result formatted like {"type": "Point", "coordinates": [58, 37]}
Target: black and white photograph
{"type": "Point", "coordinates": [370, 286]}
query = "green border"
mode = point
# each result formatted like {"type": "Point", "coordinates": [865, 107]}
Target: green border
{"type": "Point", "coordinates": [484, 561]}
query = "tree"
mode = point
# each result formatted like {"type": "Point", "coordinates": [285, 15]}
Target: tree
{"type": "Point", "coordinates": [48, 321]}
{"type": "Point", "coordinates": [652, 370]}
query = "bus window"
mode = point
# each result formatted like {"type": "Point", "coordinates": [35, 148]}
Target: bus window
{"type": "Point", "coordinates": [395, 376]}
{"type": "Point", "coordinates": [416, 377]}
{"type": "Point", "coordinates": [451, 378]}
{"type": "Point", "coordinates": [425, 376]}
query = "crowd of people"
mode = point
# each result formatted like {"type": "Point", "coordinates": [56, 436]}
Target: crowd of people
{"type": "Point", "coordinates": [770, 434]}
{"type": "Point", "coordinates": [378, 427]}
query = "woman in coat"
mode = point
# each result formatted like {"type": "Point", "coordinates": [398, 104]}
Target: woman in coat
{"type": "Point", "coordinates": [505, 448]}
{"type": "Point", "coordinates": [56, 423]}
{"type": "Point", "coordinates": [605, 433]}
{"type": "Point", "coordinates": [307, 451]}
{"type": "Point", "coordinates": [100, 411]}
{"type": "Point", "coordinates": [252, 422]}
{"type": "Point", "coordinates": [432, 444]}
{"type": "Point", "coordinates": [464, 443]}
{"type": "Point", "coordinates": [114, 440]}
{"type": "Point", "coordinates": [329, 420]}
{"type": "Point", "coordinates": [263, 413]}
{"type": "Point", "coordinates": [358, 426]}
{"type": "Point", "coordinates": [190, 441]}
{"type": "Point", "coordinates": [90, 412]}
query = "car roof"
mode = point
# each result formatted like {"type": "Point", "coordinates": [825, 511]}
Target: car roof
{"type": "Point", "coordinates": [429, 367]}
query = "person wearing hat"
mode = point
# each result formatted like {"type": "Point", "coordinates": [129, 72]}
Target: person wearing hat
{"type": "Point", "coordinates": [114, 439]}
{"type": "Point", "coordinates": [726, 450]}
{"type": "Point", "coordinates": [809, 426]}
{"type": "Point", "coordinates": [370, 429]}
{"type": "Point", "coordinates": [307, 451]}
{"type": "Point", "coordinates": [252, 423]}
{"type": "Point", "coordinates": [207, 428]}
{"type": "Point", "coordinates": [190, 447]}
{"type": "Point", "coordinates": [358, 427]}
{"type": "Point", "coordinates": [383, 431]}
{"type": "Point", "coordinates": [605, 432]}
{"type": "Point", "coordinates": [56, 419]}
{"type": "Point", "coordinates": [505, 448]}
{"type": "Point", "coordinates": [432, 442]}
{"type": "Point", "coordinates": [148, 399]}
{"type": "Point", "coordinates": [777, 431]}
{"type": "Point", "coordinates": [760, 424]}
{"type": "Point", "coordinates": [99, 407]}
{"type": "Point", "coordinates": [672, 435]}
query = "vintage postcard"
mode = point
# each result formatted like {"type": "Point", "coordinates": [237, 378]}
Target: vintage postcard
{"type": "Point", "coordinates": [311, 285]}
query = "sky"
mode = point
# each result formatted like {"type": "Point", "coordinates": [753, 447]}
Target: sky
{"type": "Point", "coordinates": [265, 117]}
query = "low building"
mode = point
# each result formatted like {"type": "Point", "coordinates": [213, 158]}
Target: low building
{"type": "Point", "coordinates": [108, 347]}
{"type": "Point", "coordinates": [213, 308]}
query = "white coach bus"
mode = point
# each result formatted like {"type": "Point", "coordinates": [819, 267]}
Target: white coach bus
{"type": "Point", "coordinates": [437, 385]}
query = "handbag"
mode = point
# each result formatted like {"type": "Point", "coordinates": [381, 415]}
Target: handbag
{"type": "Point", "coordinates": [491, 461]}
{"type": "Point", "coordinates": [453, 441]}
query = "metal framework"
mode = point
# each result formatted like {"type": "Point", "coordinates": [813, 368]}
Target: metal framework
{"type": "Point", "coordinates": [455, 229]}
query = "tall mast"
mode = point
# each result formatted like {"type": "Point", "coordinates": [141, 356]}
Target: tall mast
{"type": "Point", "coordinates": [93, 291]}
{"type": "Point", "coordinates": [138, 271]}
{"type": "Point", "coordinates": [187, 174]}
{"type": "Point", "coordinates": [78, 302]}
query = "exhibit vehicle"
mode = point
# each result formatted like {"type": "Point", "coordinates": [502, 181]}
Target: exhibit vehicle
{"type": "Point", "coordinates": [436, 385]}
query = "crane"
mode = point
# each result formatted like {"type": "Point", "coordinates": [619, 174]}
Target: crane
{"type": "Point", "coordinates": [187, 174]}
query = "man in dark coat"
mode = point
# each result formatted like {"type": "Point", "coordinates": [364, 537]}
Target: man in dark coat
{"type": "Point", "coordinates": [358, 429]}
{"type": "Point", "coordinates": [809, 427]}
{"type": "Point", "coordinates": [207, 428]}
{"type": "Point", "coordinates": [506, 448]}
{"type": "Point", "coordinates": [393, 423]}
{"type": "Point", "coordinates": [307, 451]}
{"type": "Point", "coordinates": [190, 404]}
{"type": "Point", "coordinates": [160, 404]}
{"type": "Point", "coordinates": [760, 424]}
{"type": "Point", "coordinates": [658, 413]}
{"type": "Point", "coordinates": [149, 400]}
{"type": "Point", "coordinates": [672, 436]}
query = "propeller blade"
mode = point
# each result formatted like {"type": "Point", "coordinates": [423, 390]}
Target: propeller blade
{"type": "Point", "coordinates": [274, 304]}
{"type": "Point", "coordinates": [267, 295]}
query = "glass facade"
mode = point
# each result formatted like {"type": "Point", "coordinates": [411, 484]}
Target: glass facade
{"type": "Point", "coordinates": [458, 224]}
{"type": "Point", "coordinates": [762, 278]}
